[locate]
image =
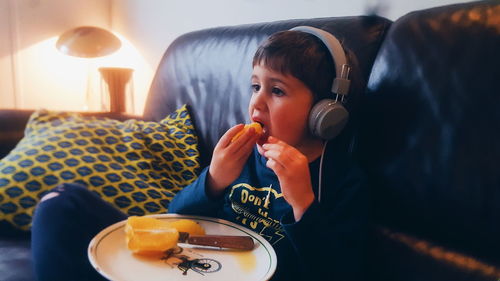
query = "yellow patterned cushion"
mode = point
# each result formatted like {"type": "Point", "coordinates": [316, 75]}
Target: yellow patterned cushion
{"type": "Point", "coordinates": [137, 166]}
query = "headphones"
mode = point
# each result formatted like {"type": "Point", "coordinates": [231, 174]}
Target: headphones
{"type": "Point", "coordinates": [329, 116]}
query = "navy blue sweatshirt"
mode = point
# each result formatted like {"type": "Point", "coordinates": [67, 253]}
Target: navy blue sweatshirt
{"type": "Point", "coordinates": [326, 244]}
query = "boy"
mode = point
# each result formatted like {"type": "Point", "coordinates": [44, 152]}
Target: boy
{"type": "Point", "coordinates": [273, 188]}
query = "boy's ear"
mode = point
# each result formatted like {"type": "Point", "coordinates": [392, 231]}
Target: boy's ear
{"type": "Point", "coordinates": [327, 119]}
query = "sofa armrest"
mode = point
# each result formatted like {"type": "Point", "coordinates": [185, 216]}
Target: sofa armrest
{"type": "Point", "coordinates": [13, 123]}
{"type": "Point", "coordinates": [398, 255]}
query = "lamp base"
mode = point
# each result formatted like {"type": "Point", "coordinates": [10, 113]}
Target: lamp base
{"type": "Point", "coordinates": [116, 79]}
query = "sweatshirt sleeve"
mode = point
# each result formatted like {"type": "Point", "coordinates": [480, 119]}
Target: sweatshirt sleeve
{"type": "Point", "coordinates": [193, 199]}
{"type": "Point", "coordinates": [330, 237]}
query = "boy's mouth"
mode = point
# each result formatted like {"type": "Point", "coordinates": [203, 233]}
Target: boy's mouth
{"type": "Point", "coordinates": [265, 134]}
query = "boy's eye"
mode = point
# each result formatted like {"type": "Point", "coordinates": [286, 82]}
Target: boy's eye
{"type": "Point", "coordinates": [277, 91]}
{"type": "Point", "coordinates": [255, 87]}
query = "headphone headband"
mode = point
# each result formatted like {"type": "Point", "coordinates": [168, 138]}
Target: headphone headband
{"type": "Point", "coordinates": [328, 117]}
{"type": "Point", "coordinates": [341, 82]}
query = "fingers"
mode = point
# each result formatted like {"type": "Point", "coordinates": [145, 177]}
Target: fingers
{"type": "Point", "coordinates": [281, 156]}
{"type": "Point", "coordinates": [275, 166]}
{"type": "Point", "coordinates": [246, 148]}
{"type": "Point", "coordinates": [244, 143]}
{"type": "Point", "coordinates": [225, 140]}
{"type": "Point", "coordinates": [278, 154]}
{"type": "Point", "coordinates": [239, 149]}
{"type": "Point", "coordinates": [280, 151]}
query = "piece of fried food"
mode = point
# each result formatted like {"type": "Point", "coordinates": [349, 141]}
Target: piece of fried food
{"type": "Point", "coordinates": [257, 127]}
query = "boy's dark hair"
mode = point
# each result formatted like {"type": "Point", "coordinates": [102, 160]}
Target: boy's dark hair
{"type": "Point", "coordinates": [301, 55]}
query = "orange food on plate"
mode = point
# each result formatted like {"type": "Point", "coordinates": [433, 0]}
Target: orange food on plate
{"type": "Point", "coordinates": [257, 127]}
{"type": "Point", "coordinates": [146, 235]}
{"type": "Point", "coordinates": [189, 226]}
{"type": "Point", "coordinates": [151, 236]}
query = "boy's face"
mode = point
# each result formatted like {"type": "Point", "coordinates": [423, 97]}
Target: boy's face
{"type": "Point", "coordinates": [281, 103]}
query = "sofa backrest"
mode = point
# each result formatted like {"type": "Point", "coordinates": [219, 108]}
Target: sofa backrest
{"type": "Point", "coordinates": [430, 137]}
{"type": "Point", "coordinates": [210, 70]}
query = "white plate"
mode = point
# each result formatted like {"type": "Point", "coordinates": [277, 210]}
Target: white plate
{"type": "Point", "coordinates": [109, 255]}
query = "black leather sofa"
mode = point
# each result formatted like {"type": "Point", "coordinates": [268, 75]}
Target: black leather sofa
{"type": "Point", "coordinates": [425, 127]}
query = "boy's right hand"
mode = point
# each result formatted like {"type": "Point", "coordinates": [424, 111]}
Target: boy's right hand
{"type": "Point", "coordinates": [228, 159]}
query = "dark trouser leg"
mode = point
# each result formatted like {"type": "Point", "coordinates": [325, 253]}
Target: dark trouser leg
{"type": "Point", "coordinates": [63, 225]}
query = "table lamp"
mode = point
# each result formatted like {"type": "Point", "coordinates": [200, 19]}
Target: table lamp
{"type": "Point", "coordinates": [93, 42]}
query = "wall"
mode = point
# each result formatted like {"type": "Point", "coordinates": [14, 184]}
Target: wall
{"type": "Point", "coordinates": [152, 25]}
{"type": "Point", "coordinates": [33, 74]}
{"type": "Point", "coordinates": [7, 79]}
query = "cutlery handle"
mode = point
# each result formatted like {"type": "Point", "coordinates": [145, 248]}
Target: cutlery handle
{"type": "Point", "coordinates": [223, 241]}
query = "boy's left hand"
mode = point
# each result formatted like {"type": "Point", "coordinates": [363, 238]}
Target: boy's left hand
{"type": "Point", "coordinates": [292, 169]}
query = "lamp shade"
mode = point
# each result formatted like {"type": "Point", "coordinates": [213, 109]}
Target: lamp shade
{"type": "Point", "coordinates": [88, 42]}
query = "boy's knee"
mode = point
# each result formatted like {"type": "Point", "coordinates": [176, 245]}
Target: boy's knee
{"type": "Point", "coordinates": [63, 197]}
{"type": "Point", "coordinates": [49, 196]}
{"type": "Point", "coordinates": [66, 189]}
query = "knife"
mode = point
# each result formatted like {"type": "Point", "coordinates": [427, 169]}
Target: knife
{"type": "Point", "coordinates": [221, 241]}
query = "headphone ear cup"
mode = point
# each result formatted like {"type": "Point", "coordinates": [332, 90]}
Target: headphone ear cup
{"type": "Point", "coordinates": [327, 119]}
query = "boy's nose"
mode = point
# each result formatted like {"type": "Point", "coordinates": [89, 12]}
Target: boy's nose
{"type": "Point", "coordinates": [258, 101]}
